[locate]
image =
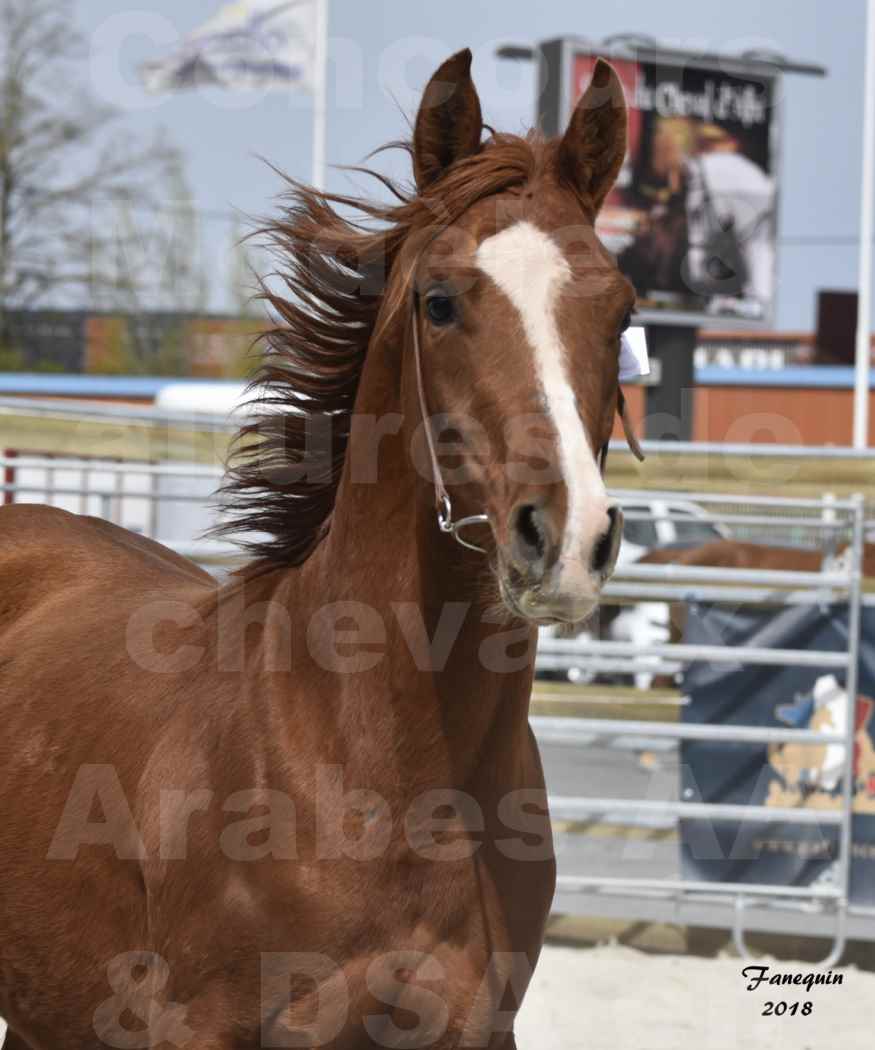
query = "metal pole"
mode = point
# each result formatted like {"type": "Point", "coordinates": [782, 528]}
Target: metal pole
{"type": "Point", "coordinates": [320, 63]}
{"type": "Point", "coordinates": [867, 229]}
{"type": "Point", "coordinates": [846, 843]}
{"type": "Point", "coordinates": [583, 809]}
{"type": "Point", "coordinates": [579, 732]}
{"type": "Point", "coordinates": [680, 887]}
{"type": "Point", "coordinates": [670, 403]}
{"type": "Point", "coordinates": [696, 653]}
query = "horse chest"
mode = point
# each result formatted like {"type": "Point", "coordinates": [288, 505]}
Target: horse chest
{"type": "Point", "coordinates": [433, 994]}
{"type": "Point", "coordinates": [380, 956]}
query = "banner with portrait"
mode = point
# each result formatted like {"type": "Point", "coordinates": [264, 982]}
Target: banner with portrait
{"type": "Point", "coordinates": [788, 775]}
{"type": "Point", "coordinates": [692, 217]}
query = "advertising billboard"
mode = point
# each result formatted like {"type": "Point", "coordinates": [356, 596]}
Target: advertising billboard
{"type": "Point", "coordinates": [692, 218]}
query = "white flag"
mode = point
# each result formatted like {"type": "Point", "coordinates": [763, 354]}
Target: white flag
{"type": "Point", "coordinates": [247, 44]}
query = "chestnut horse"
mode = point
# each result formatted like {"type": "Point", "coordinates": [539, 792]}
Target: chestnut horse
{"type": "Point", "coordinates": [738, 554]}
{"type": "Point", "coordinates": [305, 808]}
{"type": "Point", "coordinates": [735, 554]}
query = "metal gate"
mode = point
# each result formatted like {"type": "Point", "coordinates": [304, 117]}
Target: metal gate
{"type": "Point", "coordinates": [170, 502]}
{"type": "Point", "coordinates": [813, 909]}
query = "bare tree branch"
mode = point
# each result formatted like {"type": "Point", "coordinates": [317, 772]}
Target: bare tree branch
{"type": "Point", "coordinates": [83, 206]}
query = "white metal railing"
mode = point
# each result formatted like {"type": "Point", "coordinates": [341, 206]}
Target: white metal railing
{"type": "Point", "coordinates": [788, 522]}
{"type": "Point", "coordinates": [679, 583]}
{"type": "Point", "coordinates": [170, 502]}
{"type": "Point", "coordinates": [761, 450]}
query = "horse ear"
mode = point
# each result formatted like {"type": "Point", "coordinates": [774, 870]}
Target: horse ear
{"type": "Point", "coordinates": [449, 123]}
{"type": "Point", "coordinates": [594, 145]}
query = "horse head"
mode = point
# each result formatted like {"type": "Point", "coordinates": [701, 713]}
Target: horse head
{"type": "Point", "coordinates": [518, 313]}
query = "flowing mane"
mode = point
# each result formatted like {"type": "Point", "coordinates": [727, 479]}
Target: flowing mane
{"type": "Point", "coordinates": [341, 277]}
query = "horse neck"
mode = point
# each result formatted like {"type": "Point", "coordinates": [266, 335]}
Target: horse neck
{"type": "Point", "coordinates": [445, 641]}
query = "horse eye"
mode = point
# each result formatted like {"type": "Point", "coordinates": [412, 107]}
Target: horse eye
{"type": "Point", "coordinates": [440, 309]}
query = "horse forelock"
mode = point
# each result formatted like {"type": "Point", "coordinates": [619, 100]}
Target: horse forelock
{"type": "Point", "coordinates": [345, 279]}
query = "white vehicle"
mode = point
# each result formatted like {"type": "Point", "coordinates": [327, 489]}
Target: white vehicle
{"type": "Point", "coordinates": [651, 523]}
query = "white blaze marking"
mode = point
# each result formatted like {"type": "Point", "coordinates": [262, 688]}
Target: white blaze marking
{"type": "Point", "coordinates": [529, 268]}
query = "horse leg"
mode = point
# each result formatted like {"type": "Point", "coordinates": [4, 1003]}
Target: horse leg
{"type": "Point", "coordinates": [14, 1042]}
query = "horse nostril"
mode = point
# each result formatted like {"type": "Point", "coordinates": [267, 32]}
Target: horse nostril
{"type": "Point", "coordinates": [605, 552]}
{"type": "Point", "coordinates": [529, 534]}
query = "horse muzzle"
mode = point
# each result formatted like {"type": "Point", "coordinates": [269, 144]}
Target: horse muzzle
{"type": "Point", "coordinates": [545, 583]}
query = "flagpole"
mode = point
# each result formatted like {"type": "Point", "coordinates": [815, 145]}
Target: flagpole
{"type": "Point", "coordinates": [320, 70]}
{"type": "Point", "coordinates": [863, 355]}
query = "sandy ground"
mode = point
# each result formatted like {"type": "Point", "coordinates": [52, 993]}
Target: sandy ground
{"type": "Point", "coordinates": [615, 998]}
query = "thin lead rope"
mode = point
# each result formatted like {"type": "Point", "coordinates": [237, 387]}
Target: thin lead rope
{"type": "Point", "coordinates": [442, 501]}
{"type": "Point", "coordinates": [441, 497]}
{"type": "Point", "coordinates": [443, 504]}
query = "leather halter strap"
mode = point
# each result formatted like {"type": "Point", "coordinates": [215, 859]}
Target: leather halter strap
{"type": "Point", "coordinates": [443, 503]}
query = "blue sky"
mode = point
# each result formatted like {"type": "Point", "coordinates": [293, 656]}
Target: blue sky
{"type": "Point", "coordinates": [381, 53]}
